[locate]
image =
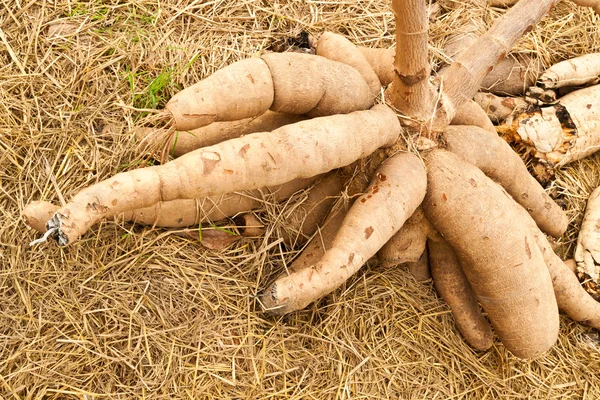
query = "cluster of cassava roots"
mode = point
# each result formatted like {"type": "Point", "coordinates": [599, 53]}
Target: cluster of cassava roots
{"type": "Point", "coordinates": [450, 194]}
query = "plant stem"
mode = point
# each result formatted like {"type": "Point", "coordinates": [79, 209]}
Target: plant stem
{"type": "Point", "coordinates": [410, 89]}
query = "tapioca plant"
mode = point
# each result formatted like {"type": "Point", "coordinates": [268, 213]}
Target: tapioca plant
{"type": "Point", "coordinates": [458, 174]}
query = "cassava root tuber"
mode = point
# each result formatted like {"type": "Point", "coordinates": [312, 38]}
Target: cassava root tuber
{"type": "Point", "coordinates": [393, 195]}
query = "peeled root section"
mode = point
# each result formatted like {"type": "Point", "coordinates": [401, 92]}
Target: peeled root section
{"type": "Point", "coordinates": [454, 288]}
{"type": "Point", "coordinates": [497, 160]}
{"type": "Point", "coordinates": [300, 150]}
{"type": "Point", "coordinates": [497, 251]}
{"type": "Point", "coordinates": [291, 83]}
{"type": "Point", "coordinates": [391, 198]}
{"type": "Point", "coordinates": [560, 134]}
{"type": "Point", "coordinates": [587, 252]}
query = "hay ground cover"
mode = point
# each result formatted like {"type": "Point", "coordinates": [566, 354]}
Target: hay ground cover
{"type": "Point", "coordinates": [135, 312]}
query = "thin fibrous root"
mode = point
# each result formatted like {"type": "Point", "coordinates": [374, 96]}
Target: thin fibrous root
{"type": "Point", "coordinates": [300, 150]}
{"type": "Point", "coordinates": [454, 288]}
{"type": "Point", "coordinates": [290, 83]}
{"type": "Point", "coordinates": [497, 160]}
{"type": "Point", "coordinates": [393, 195]}
{"type": "Point", "coordinates": [497, 250]}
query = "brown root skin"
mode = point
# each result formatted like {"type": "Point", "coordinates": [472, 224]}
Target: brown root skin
{"type": "Point", "coordinates": [408, 244]}
{"type": "Point", "coordinates": [500, 108]}
{"type": "Point", "coordinates": [182, 142]}
{"type": "Point", "coordinates": [382, 62]}
{"type": "Point", "coordinates": [454, 288]}
{"type": "Point", "coordinates": [497, 160]}
{"type": "Point", "coordinates": [498, 253]}
{"type": "Point", "coordinates": [420, 269]}
{"type": "Point", "coordinates": [571, 297]}
{"type": "Point", "coordinates": [338, 48]}
{"type": "Point", "coordinates": [291, 83]}
{"type": "Point", "coordinates": [246, 83]}
{"type": "Point", "coordinates": [321, 242]}
{"type": "Point", "coordinates": [472, 114]}
{"type": "Point", "coordinates": [316, 86]}
{"type": "Point", "coordinates": [394, 194]}
{"type": "Point", "coordinates": [250, 162]}
{"type": "Point", "coordinates": [311, 210]}
{"type": "Point", "coordinates": [184, 212]}
{"type": "Point", "coordinates": [512, 76]}
{"type": "Point", "coordinates": [571, 264]}
{"type": "Point", "coordinates": [249, 225]}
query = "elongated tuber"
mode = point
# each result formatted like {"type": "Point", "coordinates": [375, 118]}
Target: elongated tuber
{"type": "Point", "coordinates": [420, 269]}
{"type": "Point", "coordinates": [500, 108]}
{"type": "Point", "coordinates": [394, 194]}
{"type": "Point", "coordinates": [181, 142]}
{"type": "Point", "coordinates": [571, 297]}
{"type": "Point", "coordinates": [484, 150]}
{"type": "Point", "coordinates": [304, 217]}
{"type": "Point", "coordinates": [321, 242]}
{"type": "Point", "coordinates": [582, 70]}
{"type": "Point", "coordinates": [472, 114]}
{"type": "Point", "coordinates": [408, 244]}
{"type": "Point", "coordinates": [454, 288]}
{"type": "Point", "coordinates": [382, 62]}
{"type": "Point", "coordinates": [338, 48]}
{"type": "Point", "coordinates": [184, 212]}
{"type": "Point", "coordinates": [587, 252]}
{"type": "Point", "coordinates": [300, 150]}
{"type": "Point", "coordinates": [497, 251]}
{"type": "Point", "coordinates": [290, 83]}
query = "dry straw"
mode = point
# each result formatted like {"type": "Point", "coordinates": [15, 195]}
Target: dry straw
{"type": "Point", "coordinates": [133, 312]}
